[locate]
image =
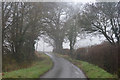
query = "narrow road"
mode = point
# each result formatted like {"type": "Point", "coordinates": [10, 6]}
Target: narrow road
{"type": "Point", "coordinates": [63, 69]}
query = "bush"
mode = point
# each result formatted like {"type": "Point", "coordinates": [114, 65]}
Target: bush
{"type": "Point", "coordinates": [80, 53]}
{"type": "Point", "coordinates": [66, 51]}
{"type": "Point", "coordinates": [9, 63]}
{"type": "Point", "coordinates": [103, 55]}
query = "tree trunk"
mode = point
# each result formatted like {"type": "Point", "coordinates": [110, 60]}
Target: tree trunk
{"type": "Point", "coordinates": [71, 49]}
{"type": "Point", "coordinates": [58, 46]}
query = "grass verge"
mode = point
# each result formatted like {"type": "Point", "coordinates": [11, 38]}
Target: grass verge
{"type": "Point", "coordinates": [90, 70]}
{"type": "Point", "coordinates": [37, 69]}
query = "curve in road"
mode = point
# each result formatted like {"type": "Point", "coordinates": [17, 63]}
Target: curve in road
{"type": "Point", "coordinates": [63, 69]}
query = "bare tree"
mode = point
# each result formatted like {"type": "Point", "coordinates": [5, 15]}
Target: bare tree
{"type": "Point", "coordinates": [102, 17]}
{"type": "Point", "coordinates": [72, 32]}
{"type": "Point", "coordinates": [20, 29]}
{"type": "Point", "coordinates": [53, 21]}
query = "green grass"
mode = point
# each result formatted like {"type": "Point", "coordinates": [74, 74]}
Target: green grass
{"type": "Point", "coordinates": [91, 71]}
{"type": "Point", "coordinates": [38, 68]}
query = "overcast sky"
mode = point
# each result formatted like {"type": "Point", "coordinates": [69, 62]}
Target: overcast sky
{"type": "Point", "coordinates": [88, 41]}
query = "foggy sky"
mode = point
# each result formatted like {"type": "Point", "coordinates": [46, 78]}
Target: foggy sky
{"type": "Point", "coordinates": [88, 41]}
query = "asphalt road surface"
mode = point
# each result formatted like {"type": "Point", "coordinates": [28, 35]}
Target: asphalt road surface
{"type": "Point", "coordinates": [63, 69]}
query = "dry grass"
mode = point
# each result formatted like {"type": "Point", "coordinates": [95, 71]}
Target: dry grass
{"type": "Point", "coordinates": [36, 69]}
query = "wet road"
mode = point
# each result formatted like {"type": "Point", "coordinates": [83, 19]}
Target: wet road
{"type": "Point", "coordinates": [63, 69]}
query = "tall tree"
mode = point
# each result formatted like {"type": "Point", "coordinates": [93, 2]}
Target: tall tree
{"type": "Point", "coordinates": [72, 32]}
{"type": "Point", "coordinates": [20, 29]}
{"type": "Point", "coordinates": [54, 18]}
{"type": "Point", "coordinates": [102, 17]}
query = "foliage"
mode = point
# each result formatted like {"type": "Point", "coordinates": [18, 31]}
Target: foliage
{"type": "Point", "coordinates": [20, 29]}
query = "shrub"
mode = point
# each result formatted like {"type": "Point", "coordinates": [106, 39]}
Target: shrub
{"type": "Point", "coordinates": [103, 55]}
{"type": "Point", "coordinates": [66, 51]}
